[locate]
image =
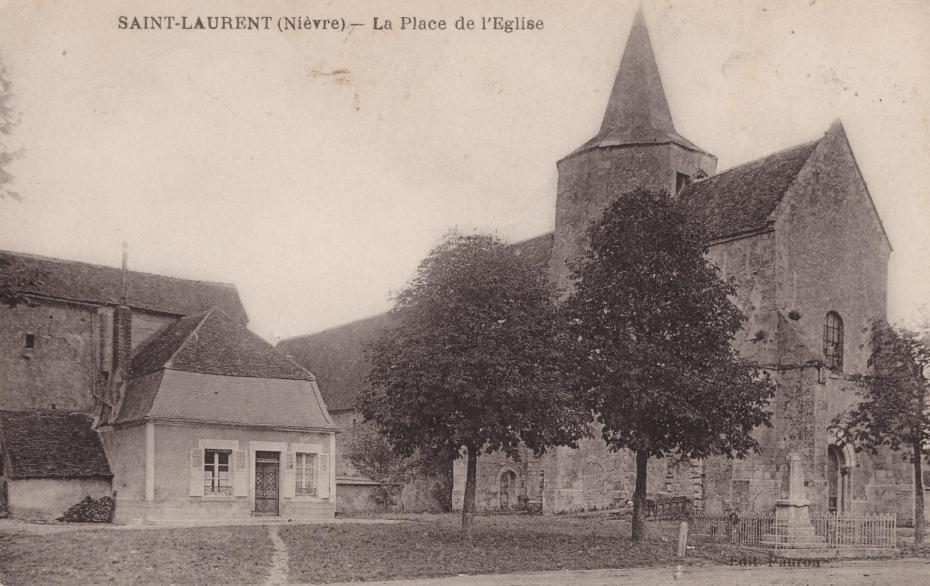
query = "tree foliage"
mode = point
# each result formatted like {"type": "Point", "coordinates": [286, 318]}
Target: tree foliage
{"type": "Point", "coordinates": [372, 455]}
{"type": "Point", "coordinates": [892, 408]}
{"type": "Point", "coordinates": [651, 327]}
{"type": "Point", "coordinates": [472, 360]}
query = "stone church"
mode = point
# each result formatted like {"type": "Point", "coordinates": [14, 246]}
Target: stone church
{"type": "Point", "coordinates": [799, 233]}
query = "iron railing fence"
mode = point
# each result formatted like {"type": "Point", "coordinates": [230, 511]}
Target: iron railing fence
{"type": "Point", "coordinates": [832, 530]}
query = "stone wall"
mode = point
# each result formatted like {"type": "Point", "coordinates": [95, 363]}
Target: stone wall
{"type": "Point", "coordinates": [588, 180]}
{"type": "Point", "coordinates": [48, 498]}
{"type": "Point", "coordinates": [60, 370]}
{"type": "Point", "coordinates": [125, 450]}
{"type": "Point", "coordinates": [750, 263]}
{"type": "Point", "coordinates": [423, 493]}
{"type": "Point", "coordinates": [347, 422]}
{"type": "Point", "coordinates": [73, 343]}
{"type": "Point", "coordinates": [831, 253]}
{"type": "Point", "coordinates": [590, 477]}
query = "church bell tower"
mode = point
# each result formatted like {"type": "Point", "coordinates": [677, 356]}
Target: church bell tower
{"type": "Point", "coordinates": [637, 147]}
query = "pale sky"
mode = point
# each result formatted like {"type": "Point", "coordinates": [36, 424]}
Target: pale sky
{"type": "Point", "coordinates": [315, 169]}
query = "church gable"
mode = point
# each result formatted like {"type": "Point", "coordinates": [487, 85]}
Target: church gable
{"type": "Point", "coordinates": [831, 254]}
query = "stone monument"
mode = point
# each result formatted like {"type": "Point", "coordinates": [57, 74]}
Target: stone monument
{"type": "Point", "coordinates": [793, 527]}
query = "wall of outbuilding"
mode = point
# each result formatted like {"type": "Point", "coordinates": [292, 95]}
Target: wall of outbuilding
{"type": "Point", "coordinates": [48, 498]}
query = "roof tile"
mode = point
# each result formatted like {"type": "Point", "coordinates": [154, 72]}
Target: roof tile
{"type": "Point", "coordinates": [742, 198]}
{"type": "Point", "coordinates": [52, 444]}
{"type": "Point", "coordinates": [78, 281]}
{"type": "Point", "coordinates": [214, 343]}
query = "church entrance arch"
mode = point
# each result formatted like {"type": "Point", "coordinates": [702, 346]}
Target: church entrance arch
{"type": "Point", "coordinates": [837, 480]}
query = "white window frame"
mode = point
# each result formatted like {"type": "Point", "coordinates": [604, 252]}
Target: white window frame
{"type": "Point", "coordinates": [312, 469]}
{"type": "Point", "coordinates": [231, 446]}
{"type": "Point", "coordinates": [315, 450]}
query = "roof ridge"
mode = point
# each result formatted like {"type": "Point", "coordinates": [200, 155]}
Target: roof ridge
{"type": "Point", "coordinates": [762, 158]}
{"type": "Point", "coordinates": [335, 327]}
{"type": "Point", "coordinates": [188, 337]}
{"type": "Point", "coordinates": [531, 238]}
{"type": "Point", "coordinates": [31, 255]}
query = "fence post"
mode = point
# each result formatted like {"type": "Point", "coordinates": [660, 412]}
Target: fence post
{"type": "Point", "coordinates": [836, 529]}
{"type": "Point", "coordinates": [683, 539]}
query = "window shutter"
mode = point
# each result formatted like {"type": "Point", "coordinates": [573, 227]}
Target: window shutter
{"type": "Point", "coordinates": [322, 489]}
{"type": "Point", "coordinates": [287, 490]}
{"type": "Point", "coordinates": [241, 474]}
{"type": "Point", "coordinates": [196, 472]}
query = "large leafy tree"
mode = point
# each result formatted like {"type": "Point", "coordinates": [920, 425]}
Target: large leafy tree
{"type": "Point", "coordinates": [892, 408]}
{"type": "Point", "coordinates": [652, 325]}
{"type": "Point", "coordinates": [471, 363]}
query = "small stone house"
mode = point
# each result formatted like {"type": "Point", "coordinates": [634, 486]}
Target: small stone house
{"type": "Point", "coordinates": [153, 388]}
{"type": "Point", "coordinates": [50, 461]}
{"type": "Point", "coordinates": [216, 423]}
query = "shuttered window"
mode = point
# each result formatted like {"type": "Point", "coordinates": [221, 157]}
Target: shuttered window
{"type": "Point", "coordinates": [304, 475]}
{"type": "Point", "coordinates": [217, 479]}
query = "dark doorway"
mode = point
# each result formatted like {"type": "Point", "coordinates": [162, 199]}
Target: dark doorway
{"type": "Point", "coordinates": [837, 481]}
{"type": "Point", "coordinates": [508, 492]}
{"type": "Point", "coordinates": [267, 482]}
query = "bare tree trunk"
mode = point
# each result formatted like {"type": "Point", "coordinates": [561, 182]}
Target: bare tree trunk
{"type": "Point", "coordinates": [468, 504]}
{"type": "Point", "coordinates": [919, 529]}
{"type": "Point", "coordinates": [639, 497]}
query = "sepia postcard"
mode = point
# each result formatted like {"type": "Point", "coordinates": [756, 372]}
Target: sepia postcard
{"type": "Point", "coordinates": [209, 209]}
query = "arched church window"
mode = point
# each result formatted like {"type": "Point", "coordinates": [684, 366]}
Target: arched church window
{"type": "Point", "coordinates": [833, 341]}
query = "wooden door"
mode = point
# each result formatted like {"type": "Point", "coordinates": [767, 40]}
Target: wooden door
{"type": "Point", "coordinates": [267, 482]}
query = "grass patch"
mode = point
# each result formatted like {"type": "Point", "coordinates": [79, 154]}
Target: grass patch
{"type": "Point", "coordinates": [433, 547]}
{"type": "Point", "coordinates": [208, 555]}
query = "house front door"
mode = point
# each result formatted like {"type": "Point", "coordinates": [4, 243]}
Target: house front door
{"type": "Point", "coordinates": [267, 476]}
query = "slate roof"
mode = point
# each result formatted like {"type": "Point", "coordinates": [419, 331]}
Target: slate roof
{"type": "Point", "coordinates": [208, 367]}
{"type": "Point", "coordinates": [637, 110]}
{"type": "Point", "coordinates": [337, 358]}
{"type": "Point", "coordinates": [194, 396]}
{"type": "Point", "coordinates": [52, 444]}
{"type": "Point", "coordinates": [214, 343]}
{"type": "Point", "coordinates": [742, 198]}
{"type": "Point", "coordinates": [89, 283]}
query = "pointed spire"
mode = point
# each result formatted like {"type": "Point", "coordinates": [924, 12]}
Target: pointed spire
{"type": "Point", "coordinates": [637, 100]}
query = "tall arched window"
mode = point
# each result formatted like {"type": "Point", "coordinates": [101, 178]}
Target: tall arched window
{"type": "Point", "coordinates": [833, 341]}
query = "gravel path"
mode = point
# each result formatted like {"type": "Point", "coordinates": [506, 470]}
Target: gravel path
{"type": "Point", "coordinates": [278, 559]}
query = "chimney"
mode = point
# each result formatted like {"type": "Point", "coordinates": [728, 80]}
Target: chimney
{"type": "Point", "coordinates": [122, 324]}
